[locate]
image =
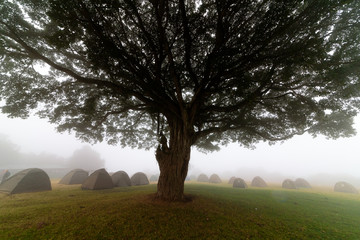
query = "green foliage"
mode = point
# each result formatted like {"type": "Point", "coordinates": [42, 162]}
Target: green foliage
{"type": "Point", "coordinates": [216, 212]}
{"type": "Point", "coordinates": [239, 71]}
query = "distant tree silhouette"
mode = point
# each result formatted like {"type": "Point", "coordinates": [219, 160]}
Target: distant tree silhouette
{"type": "Point", "coordinates": [11, 156]}
{"type": "Point", "coordinates": [86, 158]}
{"type": "Point", "coordinates": [10, 153]}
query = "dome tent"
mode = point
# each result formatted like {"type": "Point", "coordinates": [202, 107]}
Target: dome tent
{"type": "Point", "coordinates": [302, 183]}
{"type": "Point", "coordinates": [154, 178]}
{"type": "Point", "coordinates": [4, 174]}
{"type": "Point", "coordinates": [214, 179]}
{"type": "Point", "coordinates": [100, 179]}
{"type": "Point", "coordinates": [258, 182]}
{"type": "Point", "coordinates": [202, 178]}
{"type": "Point", "coordinates": [231, 180]}
{"type": "Point", "coordinates": [76, 176]}
{"type": "Point", "coordinates": [139, 178]}
{"type": "Point", "coordinates": [28, 180]}
{"type": "Point", "coordinates": [345, 188]}
{"type": "Point", "coordinates": [121, 179]}
{"type": "Point", "coordinates": [288, 184]}
{"type": "Point", "coordinates": [239, 183]}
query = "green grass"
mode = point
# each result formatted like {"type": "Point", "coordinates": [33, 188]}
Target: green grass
{"type": "Point", "coordinates": [216, 212]}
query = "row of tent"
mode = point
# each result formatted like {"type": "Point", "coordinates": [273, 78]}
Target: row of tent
{"type": "Point", "coordinates": [101, 179]}
{"type": "Point", "coordinates": [235, 181]}
{"type": "Point", "coordinates": [36, 180]}
{"type": "Point", "coordinates": [286, 184]}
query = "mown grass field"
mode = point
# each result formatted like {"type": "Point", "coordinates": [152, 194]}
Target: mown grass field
{"type": "Point", "coordinates": [216, 212]}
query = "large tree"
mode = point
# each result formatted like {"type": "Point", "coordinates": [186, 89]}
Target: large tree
{"type": "Point", "coordinates": [173, 74]}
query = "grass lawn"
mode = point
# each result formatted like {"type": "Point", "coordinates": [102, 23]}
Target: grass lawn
{"type": "Point", "coordinates": [216, 212]}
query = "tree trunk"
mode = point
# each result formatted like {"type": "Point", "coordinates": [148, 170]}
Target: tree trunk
{"type": "Point", "coordinates": [173, 162]}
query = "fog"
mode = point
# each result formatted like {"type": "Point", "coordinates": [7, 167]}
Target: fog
{"type": "Point", "coordinates": [35, 143]}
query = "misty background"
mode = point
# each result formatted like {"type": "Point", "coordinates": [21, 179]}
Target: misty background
{"type": "Point", "coordinates": [33, 142]}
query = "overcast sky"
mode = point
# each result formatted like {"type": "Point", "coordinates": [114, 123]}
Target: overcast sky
{"type": "Point", "coordinates": [301, 156]}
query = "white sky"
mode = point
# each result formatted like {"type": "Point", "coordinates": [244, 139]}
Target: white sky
{"type": "Point", "coordinates": [301, 156]}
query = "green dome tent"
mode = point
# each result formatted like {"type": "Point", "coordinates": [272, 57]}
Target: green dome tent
{"type": "Point", "coordinates": [345, 188]}
{"type": "Point", "coordinates": [139, 178]}
{"type": "Point", "coordinates": [239, 183]}
{"type": "Point", "coordinates": [28, 180]}
{"type": "Point", "coordinates": [202, 178]}
{"type": "Point", "coordinates": [214, 179]}
{"type": "Point", "coordinates": [288, 184]}
{"type": "Point", "coordinates": [302, 183]}
{"type": "Point", "coordinates": [154, 178]}
{"type": "Point", "coordinates": [100, 179]}
{"type": "Point", "coordinates": [231, 180]}
{"type": "Point", "coordinates": [76, 176]}
{"type": "Point", "coordinates": [258, 182]}
{"type": "Point", "coordinates": [121, 179]}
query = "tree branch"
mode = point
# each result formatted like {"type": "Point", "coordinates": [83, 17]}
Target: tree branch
{"type": "Point", "coordinates": [188, 43]}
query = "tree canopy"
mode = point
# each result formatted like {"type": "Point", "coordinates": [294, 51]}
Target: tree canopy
{"type": "Point", "coordinates": [200, 72]}
{"type": "Point", "coordinates": [240, 70]}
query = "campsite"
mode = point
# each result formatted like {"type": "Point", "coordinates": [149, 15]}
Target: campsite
{"type": "Point", "coordinates": [203, 119]}
{"type": "Point", "coordinates": [214, 211]}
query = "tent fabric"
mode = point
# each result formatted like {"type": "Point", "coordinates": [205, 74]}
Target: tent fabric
{"type": "Point", "coordinates": [258, 182]}
{"type": "Point", "coordinates": [76, 176]}
{"type": "Point", "coordinates": [288, 184]}
{"type": "Point", "coordinates": [302, 183]}
{"type": "Point", "coordinates": [139, 178]}
{"type": "Point", "coordinates": [214, 178]}
{"type": "Point", "coordinates": [100, 179]}
{"type": "Point", "coordinates": [239, 183]}
{"type": "Point", "coordinates": [121, 179]}
{"type": "Point", "coordinates": [155, 178]}
{"type": "Point", "coordinates": [345, 188]}
{"type": "Point", "coordinates": [28, 180]}
{"type": "Point", "coordinates": [202, 178]}
{"type": "Point", "coordinates": [231, 180]}
{"type": "Point", "coordinates": [4, 174]}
